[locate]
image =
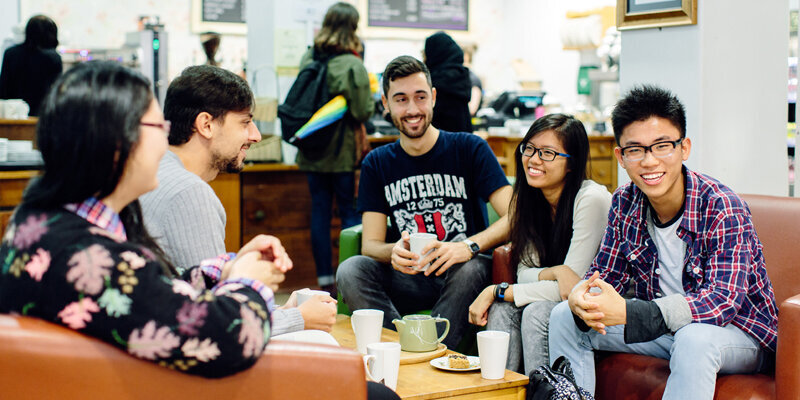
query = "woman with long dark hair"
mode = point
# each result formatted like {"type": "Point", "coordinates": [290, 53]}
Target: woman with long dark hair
{"type": "Point", "coordinates": [31, 67]}
{"type": "Point", "coordinates": [557, 219]}
{"type": "Point", "coordinates": [76, 252]}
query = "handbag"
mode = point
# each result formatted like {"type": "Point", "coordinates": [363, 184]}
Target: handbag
{"type": "Point", "coordinates": [555, 383]}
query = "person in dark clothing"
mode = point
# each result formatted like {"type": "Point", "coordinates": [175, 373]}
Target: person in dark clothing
{"type": "Point", "coordinates": [444, 58]}
{"type": "Point", "coordinates": [30, 68]}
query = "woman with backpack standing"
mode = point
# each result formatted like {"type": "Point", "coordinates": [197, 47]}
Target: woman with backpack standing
{"type": "Point", "coordinates": [333, 171]}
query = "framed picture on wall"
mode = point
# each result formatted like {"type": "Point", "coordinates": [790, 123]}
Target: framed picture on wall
{"type": "Point", "coordinates": [639, 14]}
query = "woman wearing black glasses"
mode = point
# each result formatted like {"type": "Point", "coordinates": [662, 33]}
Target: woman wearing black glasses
{"type": "Point", "coordinates": [557, 220]}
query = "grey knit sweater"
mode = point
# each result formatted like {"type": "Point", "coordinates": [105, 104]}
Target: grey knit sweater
{"type": "Point", "coordinates": [187, 220]}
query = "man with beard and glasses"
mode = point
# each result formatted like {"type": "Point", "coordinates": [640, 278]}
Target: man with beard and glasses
{"type": "Point", "coordinates": [210, 110]}
{"type": "Point", "coordinates": [428, 181]}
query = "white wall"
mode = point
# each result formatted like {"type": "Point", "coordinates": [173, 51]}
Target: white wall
{"type": "Point", "coordinates": [730, 72]}
{"type": "Point", "coordinates": [8, 19]}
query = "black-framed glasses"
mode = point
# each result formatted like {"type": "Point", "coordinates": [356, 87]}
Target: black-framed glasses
{"type": "Point", "coordinates": [164, 126]}
{"type": "Point", "coordinates": [528, 149]}
{"type": "Point", "coordinates": [659, 150]}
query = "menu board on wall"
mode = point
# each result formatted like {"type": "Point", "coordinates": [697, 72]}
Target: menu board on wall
{"type": "Point", "coordinates": [231, 11]}
{"type": "Point", "coordinates": [221, 16]}
{"type": "Point", "coordinates": [420, 14]}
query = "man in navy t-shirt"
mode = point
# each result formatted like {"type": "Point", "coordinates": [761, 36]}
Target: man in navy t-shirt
{"type": "Point", "coordinates": [428, 181]}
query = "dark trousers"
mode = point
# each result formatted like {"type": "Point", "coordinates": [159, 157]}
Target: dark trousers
{"type": "Point", "coordinates": [323, 186]}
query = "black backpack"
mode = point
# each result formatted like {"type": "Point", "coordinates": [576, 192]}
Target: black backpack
{"type": "Point", "coordinates": [308, 93]}
{"type": "Point", "coordinates": [555, 383]}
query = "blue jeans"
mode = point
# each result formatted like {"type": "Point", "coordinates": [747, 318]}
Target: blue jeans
{"type": "Point", "coordinates": [696, 353]}
{"type": "Point", "coordinates": [323, 186]}
{"type": "Point", "coordinates": [366, 283]}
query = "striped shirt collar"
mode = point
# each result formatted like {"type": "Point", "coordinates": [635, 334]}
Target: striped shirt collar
{"type": "Point", "coordinates": [97, 213]}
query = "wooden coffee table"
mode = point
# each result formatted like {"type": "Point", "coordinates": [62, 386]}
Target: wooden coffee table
{"type": "Point", "coordinates": [422, 381]}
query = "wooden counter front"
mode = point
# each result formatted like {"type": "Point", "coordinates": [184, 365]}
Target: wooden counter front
{"type": "Point", "coordinates": [19, 129]}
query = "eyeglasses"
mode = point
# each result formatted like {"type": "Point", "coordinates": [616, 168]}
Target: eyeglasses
{"type": "Point", "coordinates": [165, 126]}
{"type": "Point", "coordinates": [528, 149]}
{"type": "Point", "coordinates": [659, 149]}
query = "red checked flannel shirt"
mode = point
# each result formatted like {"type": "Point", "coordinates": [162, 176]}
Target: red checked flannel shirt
{"type": "Point", "coordinates": [724, 276]}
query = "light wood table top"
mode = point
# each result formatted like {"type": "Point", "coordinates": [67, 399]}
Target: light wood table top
{"type": "Point", "coordinates": [422, 381]}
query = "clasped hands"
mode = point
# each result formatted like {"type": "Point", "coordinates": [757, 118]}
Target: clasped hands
{"type": "Point", "coordinates": [598, 309]}
{"type": "Point", "coordinates": [443, 256]}
{"type": "Point", "coordinates": [263, 259]}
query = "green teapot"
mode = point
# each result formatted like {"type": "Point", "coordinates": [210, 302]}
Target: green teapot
{"type": "Point", "coordinates": [418, 332]}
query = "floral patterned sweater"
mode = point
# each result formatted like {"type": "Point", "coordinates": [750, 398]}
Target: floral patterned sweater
{"type": "Point", "coordinates": [59, 266]}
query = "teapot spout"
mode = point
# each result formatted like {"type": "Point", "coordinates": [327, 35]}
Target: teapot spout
{"type": "Point", "coordinates": [400, 325]}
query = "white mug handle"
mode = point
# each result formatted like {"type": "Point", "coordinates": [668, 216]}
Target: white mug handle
{"type": "Point", "coordinates": [367, 359]}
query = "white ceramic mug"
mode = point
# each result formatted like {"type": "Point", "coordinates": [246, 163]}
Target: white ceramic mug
{"type": "Point", "coordinates": [493, 350]}
{"type": "Point", "coordinates": [417, 242]}
{"type": "Point", "coordinates": [382, 363]}
{"type": "Point", "coordinates": [367, 325]}
{"type": "Point", "coordinates": [304, 295]}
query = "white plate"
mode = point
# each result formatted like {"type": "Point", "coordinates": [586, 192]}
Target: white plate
{"type": "Point", "coordinates": [441, 363]}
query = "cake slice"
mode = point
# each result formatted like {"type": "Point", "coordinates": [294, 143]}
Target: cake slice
{"type": "Point", "coordinates": [458, 361]}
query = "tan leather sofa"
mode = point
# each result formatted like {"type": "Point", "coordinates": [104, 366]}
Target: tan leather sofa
{"type": "Point", "coordinates": [631, 376]}
{"type": "Point", "coordinates": [42, 360]}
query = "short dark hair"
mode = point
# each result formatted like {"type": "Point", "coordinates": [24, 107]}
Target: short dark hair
{"type": "Point", "coordinates": [41, 32]}
{"type": "Point", "coordinates": [203, 88]}
{"type": "Point", "coordinates": [645, 101]}
{"type": "Point", "coordinates": [402, 67]}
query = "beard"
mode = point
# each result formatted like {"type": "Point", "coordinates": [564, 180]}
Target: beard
{"type": "Point", "coordinates": [398, 123]}
{"type": "Point", "coordinates": [230, 165]}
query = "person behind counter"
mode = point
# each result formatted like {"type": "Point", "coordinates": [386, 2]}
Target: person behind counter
{"type": "Point", "coordinates": [445, 60]}
{"type": "Point", "coordinates": [30, 68]}
{"type": "Point", "coordinates": [332, 173]}
{"type": "Point", "coordinates": [77, 254]}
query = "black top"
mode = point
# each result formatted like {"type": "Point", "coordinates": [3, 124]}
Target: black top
{"type": "Point", "coordinates": [444, 59]}
{"type": "Point", "coordinates": [28, 73]}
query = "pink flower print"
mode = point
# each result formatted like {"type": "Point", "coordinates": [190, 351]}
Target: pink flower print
{"type": "Point", "coordinates": [96, 230]}
{"type": "Point", "coordinates": [204, 351]}
{"type": "Point", "coordinates": [30, 231]}
{"type": "Point", "coordinates": [133, 259]}
{"type": "Point", "coordinates": [184, 288]}
{"type": "Point", "coordinates": [38, 264]}
{"type": "Point", "coordinates": [90, 267]}
{"type": "Point", "coordinates": [191, 317]}
{"type": "Point", "coordinates": [251, 335]}
{"type": "Point", "coordinates": [147, 253]}
{"type": "Point", "coordinates": [151, 343]}
{"type": "Point", "coordinates": [77, 314]}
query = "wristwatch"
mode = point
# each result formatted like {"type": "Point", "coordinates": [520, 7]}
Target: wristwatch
{"type": "Point", "coordinates": [472, 246]}
{"type": "Point", "coordinates": [500, 291]}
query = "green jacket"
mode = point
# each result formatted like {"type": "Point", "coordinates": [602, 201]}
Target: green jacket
{"type": "Point", "coordinates": [348, 77]}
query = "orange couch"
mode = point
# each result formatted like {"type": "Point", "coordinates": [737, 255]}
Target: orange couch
{"type": "Point", "coordinates": [632, 376]}
{"type": "Point", "coordinates": [42, 360]}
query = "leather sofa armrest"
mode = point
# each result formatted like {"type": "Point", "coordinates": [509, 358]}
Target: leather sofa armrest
{"type": "Point", "coordinates": [787, 366]}
{"type": "Point", "coordinates": [41, 360]}
{"type": "Point", "coordinates": [501, 268]}
{"type": "Point", "coordinates": [350, 242]}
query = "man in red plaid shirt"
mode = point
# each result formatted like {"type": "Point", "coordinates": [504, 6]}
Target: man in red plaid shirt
{"type": "Point", "coordinates": [683, 247]}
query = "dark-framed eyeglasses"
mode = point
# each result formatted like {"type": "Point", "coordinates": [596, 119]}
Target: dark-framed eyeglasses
{"type": "Point", "coordinates": [164, 126]}
{"type": "Point", "coordinates": [528, 149]}
{"type": "Point", "coordinates": [659, 149]}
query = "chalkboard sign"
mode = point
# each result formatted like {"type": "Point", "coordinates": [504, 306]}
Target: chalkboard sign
{"type": "Point", "coordinates": [229, 11]}
{"type": "Point", "coordinates": [420, 14]}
